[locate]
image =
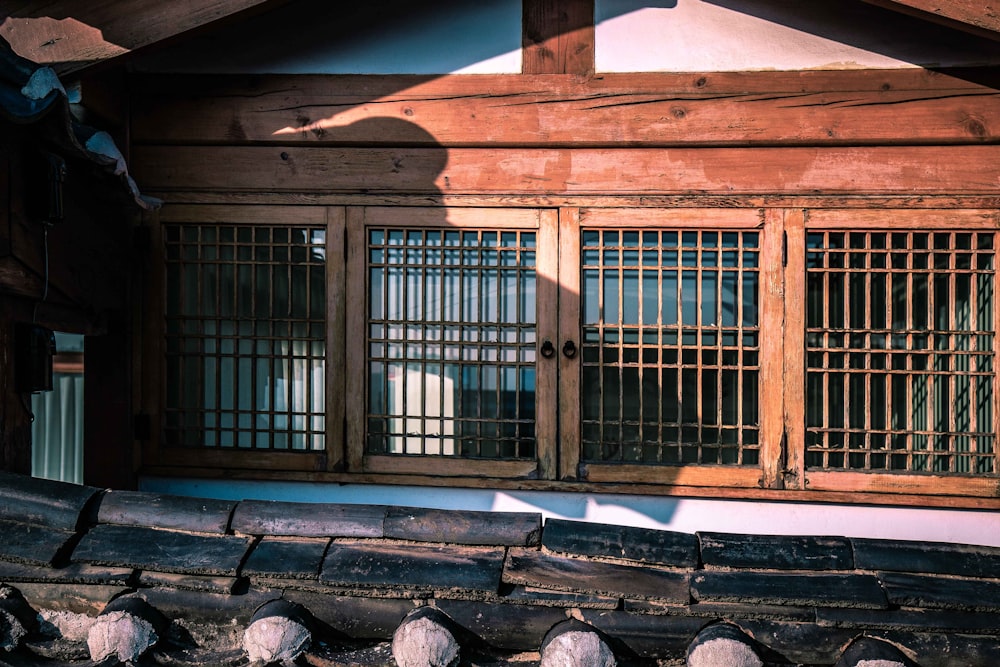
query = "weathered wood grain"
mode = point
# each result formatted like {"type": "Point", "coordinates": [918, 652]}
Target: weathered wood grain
{"type": "Point", "coordinates": [840, 170]}
{"type": "Point", "coordinates": [800, 589]}
{"type": "Point", "coordinates": [466, 527]}
{"type": "Point", "coordinates": [775, 552]}
{"type": "Point", "coordinates": [530, 567]}
{"type": "Point", "coordinates": [262, 517]}
{"type": "Point", "coordinates": [557, 37]}
{"type": "Point", "coordinates": [644, 545]}
{"type": "Point", "coordinates": [162, 550]}
{"type": "Point", "coordinates": [967, 15]}
{"type": "Point", "coordinates": [413, 566]}
{"type": "Point", "coordinates": [750, 108]}
{"type": "Point", "coordinates": [132, 508]}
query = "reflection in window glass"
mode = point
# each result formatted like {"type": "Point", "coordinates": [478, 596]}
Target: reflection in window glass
{"type": "Point", "coordinates": [670, 346]}
{"type": "Point", "coordinates": [451, 342]}
{"type": "Point", "coordinates": [900, 351]}
{"type": "Point", "coordinates": [246, 336]}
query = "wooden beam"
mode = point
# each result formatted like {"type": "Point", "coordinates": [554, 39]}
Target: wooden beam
{"type": "Point", "coordinates": [71, 34]}
{"type": "Point", "coordinates": [557, 37]}
{"type": "Point", "coordinates": [972, 16]}
{"type": "Point", "coordinates": [739, 109]}
{"type": "Point", "coordinates": [954, 170]}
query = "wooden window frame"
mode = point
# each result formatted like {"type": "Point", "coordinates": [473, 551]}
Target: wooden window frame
{"type": "Point", "coordinates": [781, 472]}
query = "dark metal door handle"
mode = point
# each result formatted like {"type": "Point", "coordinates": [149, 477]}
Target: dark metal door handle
{"type": "Point", "coordinates": [548, 349]}
{"type": "Point", "coordinates": [569, 349]}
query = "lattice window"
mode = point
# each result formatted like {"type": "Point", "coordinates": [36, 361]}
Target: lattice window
{"type": "Point", "coordinates": [451, 336]}
{"type": "Point", "coordinates": [245, 336]}
{"type": "Point", "coordinates": [900, 351]}
{"type": "Point", "coordinates": [670, 346]}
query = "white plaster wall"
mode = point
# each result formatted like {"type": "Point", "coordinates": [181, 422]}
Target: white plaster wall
{"type": "Point", "coordinates": [739, 35]}
{"type": "Point", "coordinates": [687, 515]}
{"type": "Point", "coordinates": [376, 37]}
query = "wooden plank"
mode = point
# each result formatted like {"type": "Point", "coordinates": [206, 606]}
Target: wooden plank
{"type": "Point", "coordinates": [851, 170]}
{"type": "Point", "coordinates": [775, 552]}
{"type": "Point", "coordinates": [939, 592]}
{"type": "Point", "coordinates": [68, 35]}
{"type": "Point", "coordinates": [707, 476]}
{"type": "Point", "coordinates": [793, 354]}
{"type": "Point", "coordinates": [336, 339]}
{"type": "Point", "coordinates": [451, 466]}
{"type": "Point", "coordinates": [356, 340]}
{"type": "Point", "coordinates": [530, 567]}
{"type": "Point", "coordinates": [286, 558]}
{"type": "Point", "coordinates": [463, 527]}
{"type": "Point", "coordinates": [880, 218]}
{"type": "Point", "coordinates": [694, 217]}
{"type": "Point", "coordinates": [910, 106]}
{"type": "Point", "coordinates": [927, 557]}
{"type": "Point", "coordinates": [557, 37]}
{"type": "Point", "coordinates": [798, 589]}
{"type": "Point", "coordinates": [645, 545]}
{"type": "Point", "coordinates": [272, 517]}
{"type": "Point", "coordinates": [33, 500]}
{"type": "Point", "coordinates": [242, 215]}
{"type": "Point", "coordinates": [413, 566]}
{"type": "Point", "coordinates": [969, 16]}
{"type": "Point", "coordinates": [551, 427]}
{"type": "Point", "coordinates": [931, 485]}
{"type": "Point", "coordinates": [476, 218]}
{"type": "Point", "coordinates": [770, 389]}
{"type": "Point", "coordinates": [162, 550]}
{"type": "Point", "coordinates": [569, 329]}
{"type": "Point", "coordinates": [133, 508]}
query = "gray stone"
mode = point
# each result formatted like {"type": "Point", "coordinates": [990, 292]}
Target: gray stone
{"type": "Point", "coordinates": [723, 644]}
{"type": "Point", "coordinates": [17, 619]}
{"type": "Point", "coordinates": [122, 635]}
{"type": "Point", "coordinates": [423, 640]}
{"type": "Point", "coordinates": [577, 648]}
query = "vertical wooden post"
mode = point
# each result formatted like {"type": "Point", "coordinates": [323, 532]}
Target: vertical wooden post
{"type": "Point", "coordinates": [557, 37]}
{"type": "Point", "coordinates": [547, 370]}
{"type": "Point", "coordinates": [15, 419]}
{"type": "Point", "coordinates": [355, 337]}
{"type": "Point", "coordinates": [107, 407]}
{"type": "Point", "coordinates": [794, 349]}
{"type": "Point", "coordinates": [772, 326]}
{"type": "Point", "coordinates": [336, 311]}
{"type": "Point", "coordinates": [569, 329]}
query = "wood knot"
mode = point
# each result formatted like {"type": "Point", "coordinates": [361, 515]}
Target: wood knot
{"type": "Point", "coordinates": [407, 111]}
{"type": "Point", "coordinates": [284, 156]}
{"type": "Point", "coordinates": [701, 82]}
{"type": "Point", "coordinates": [975, 127]}
{"type": "Point", "coordinates": [678, 113]}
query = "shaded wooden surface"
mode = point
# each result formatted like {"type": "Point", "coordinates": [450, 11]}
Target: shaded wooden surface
{"type": "Point", "coordinates": [421, 567]}
{"type": "Point", "coordinates": [971, 16]}
{"type": "Point", "coordinates": [162, 550]}
{"type": "Point", "coordinates": [530, 567]}
{"type": "Point", "coordinates": [262, 517]}
{"type": "Point", "coordinates": [557, 37]}
{"type": "Point", "coordinates": [579, 171]}
{"type": "Point", "coordinates": [776, 552]}
{"type": "Point", "coordinates": [463, 527]}
{"type": "Point", "coordinates": [132, 508]}
{"type": "Point", "coordinates": [819, 590]}
{"type": "Point", "coordinates": [639, 544]}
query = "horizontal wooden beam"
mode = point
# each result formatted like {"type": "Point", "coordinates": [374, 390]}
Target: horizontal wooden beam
{"type": "Point", "coordinates": [953, 170]}
{"type": "Point", "coordinates": [762, 108]}
{"type": "Point", "coordinates": [71, 34]}
{"type": "Point", "coordinates": [972, 16]}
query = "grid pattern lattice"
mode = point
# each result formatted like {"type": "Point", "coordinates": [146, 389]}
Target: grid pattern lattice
{"type": "Point", "coordinates": [451, 336]}
{"type": "Point", "coordinates": [245, 336]}
{"type": "Point", "coordinates": [900, 351]}
{"type": "Point", "coordinates": [670, 346]}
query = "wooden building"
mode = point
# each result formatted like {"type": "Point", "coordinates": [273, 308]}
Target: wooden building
{"type": "Point", "coordinates": [719, 249]}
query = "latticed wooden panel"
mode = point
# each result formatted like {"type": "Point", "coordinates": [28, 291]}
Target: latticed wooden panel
{"type": "Point", "coordinates": [451, 319]}
{"type": "Point", "coordinates": [245, 336]}
{"type": "Point", "coordinates": [900, 351]}
{"type": "Point", "coordinates": [670, 346]}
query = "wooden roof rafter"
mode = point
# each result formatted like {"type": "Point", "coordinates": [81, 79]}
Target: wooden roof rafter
{"type": "Point", "coordinates": [70, 35]}
{"type": "Point", "coordinates": [973, 16]}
